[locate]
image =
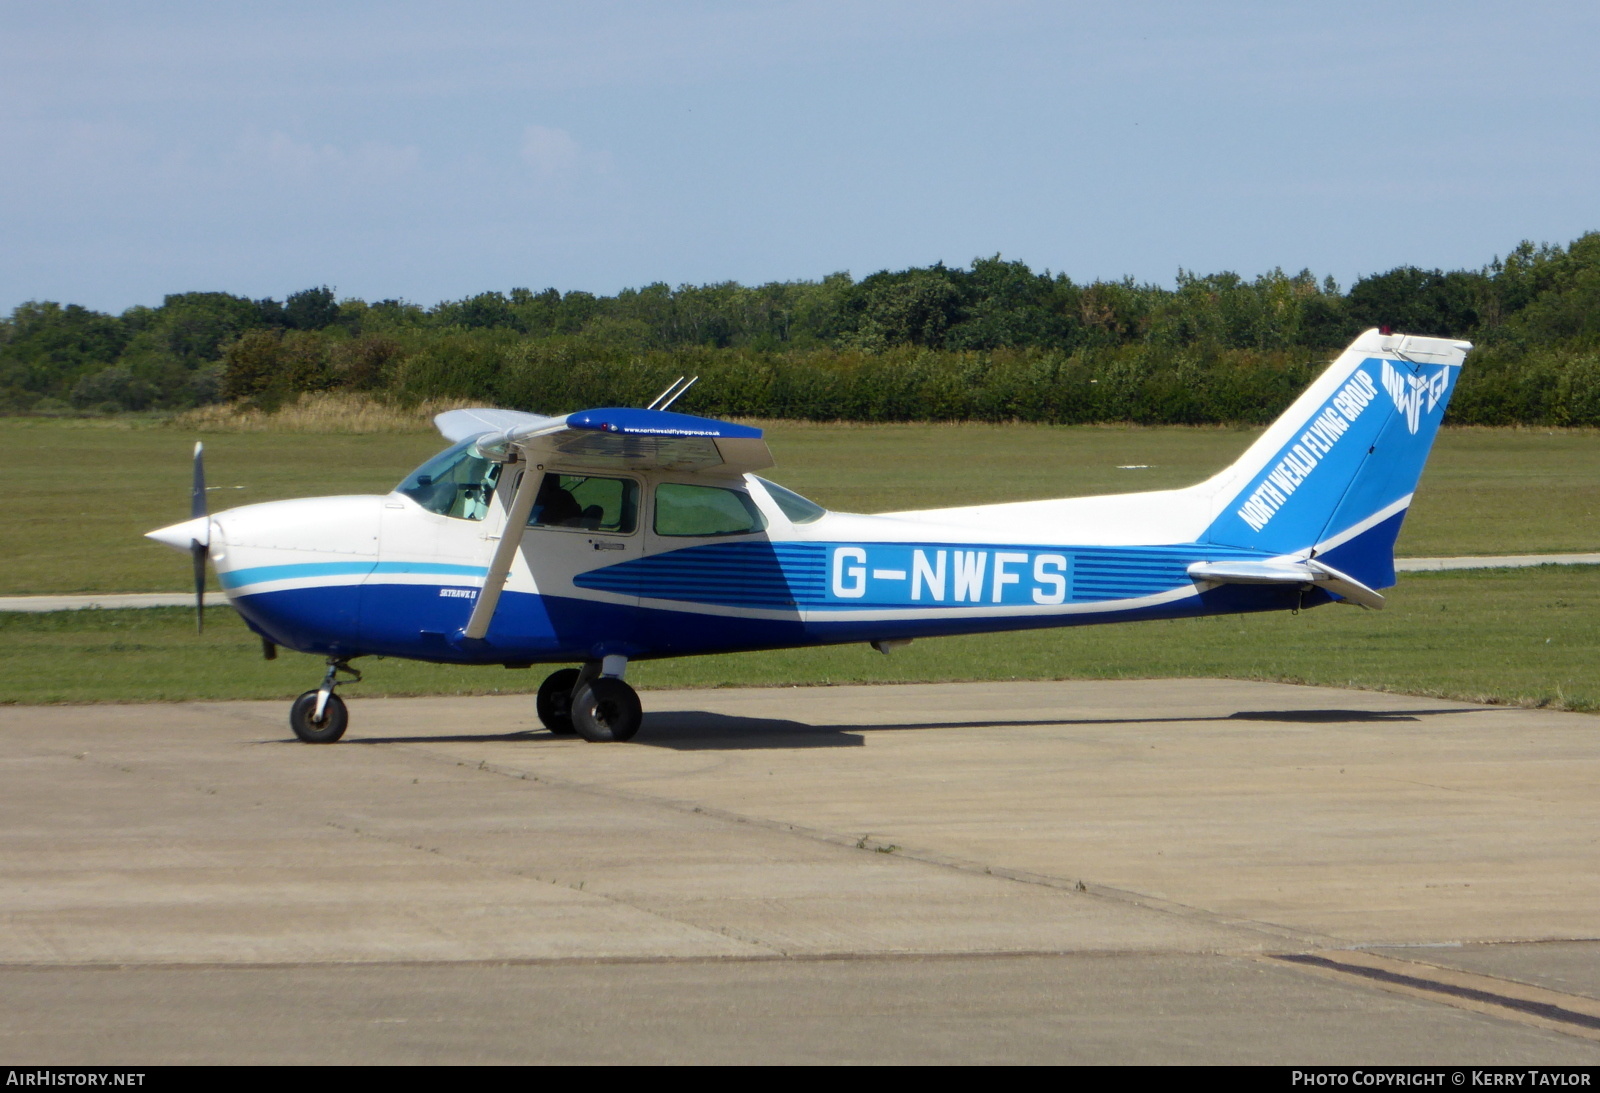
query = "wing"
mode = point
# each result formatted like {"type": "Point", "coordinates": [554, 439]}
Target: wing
{"type": "Point", "coordinates": [614, 437]}
{"type": "Point", "coordinates": [461, 424]}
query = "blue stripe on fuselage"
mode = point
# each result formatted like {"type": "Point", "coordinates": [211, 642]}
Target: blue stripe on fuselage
{"type": "Point", "coordinates": [890, 576]}
{"type": "Point", "coordinates": [239, 578]}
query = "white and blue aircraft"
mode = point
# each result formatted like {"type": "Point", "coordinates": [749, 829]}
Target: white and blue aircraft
{"type": "Point", "coordinates": [620, 534]}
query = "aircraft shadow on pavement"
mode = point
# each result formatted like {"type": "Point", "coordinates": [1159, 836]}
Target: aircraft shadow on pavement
{"type": "Point", "coordinates": [683, 730]}
{"type": "Point", "coordinates": [451, 738]}
{"type": "Point", "coordinates": [1314, 717]}
{"type": "Point", "coordinates": [701, 730]}
{"type": "Point", "coordinates": [1329, 717]}
{"type": "Point", "coordinates": [695, 730]}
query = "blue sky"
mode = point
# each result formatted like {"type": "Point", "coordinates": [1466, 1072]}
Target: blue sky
{"type": "Point", "coordinates": [430, 151]}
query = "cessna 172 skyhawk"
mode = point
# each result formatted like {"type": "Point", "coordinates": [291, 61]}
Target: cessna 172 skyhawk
{"type": "Point", "coordinates": [616, 534]}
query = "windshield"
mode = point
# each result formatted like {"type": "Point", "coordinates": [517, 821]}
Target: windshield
{"type": "Point", "coordinates": [457, 482]}
{"type": "Point", "coordinates": [798, 509]}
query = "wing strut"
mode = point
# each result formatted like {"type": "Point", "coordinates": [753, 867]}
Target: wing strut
{"type": "Point", "coordinates": [506, 552]}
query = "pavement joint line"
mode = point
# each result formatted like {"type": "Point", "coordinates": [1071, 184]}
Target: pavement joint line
{"type": "Point", "coordinates": [838, 956]}
{"type": "Point", "coordinates": [458, 856]}
{"type": "Point", "coordinates": [1378, 946]}
{"type": "Point", "coordinates": [468, 859]}
{"type": "Point", "coordinates": [1573, 1015]}
{"type": "Point", "coordinates": [1074, 887]}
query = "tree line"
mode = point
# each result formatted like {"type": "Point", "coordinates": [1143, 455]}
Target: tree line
{"type": "Point", "coordinates": [991, 341]}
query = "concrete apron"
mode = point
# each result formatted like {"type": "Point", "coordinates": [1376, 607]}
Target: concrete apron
{"type": "Point", "coordinates": [1172, 816]}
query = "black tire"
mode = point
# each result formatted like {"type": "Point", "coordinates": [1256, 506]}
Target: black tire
{"type": "Point", "coordinates": [334, 719]}
{"type": "Point", "coordinates": [606, 710]}
{"type": "Point", "coordinates": [554, 704]}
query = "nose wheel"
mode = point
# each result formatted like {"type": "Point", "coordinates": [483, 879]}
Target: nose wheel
{"type": "Point", "coordinates": [320, 716]}
{"type": "Point", "coordinates": [592, 702]}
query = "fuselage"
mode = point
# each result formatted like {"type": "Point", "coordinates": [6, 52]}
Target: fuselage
{"type": "Point", "coordinates": [385, 575]}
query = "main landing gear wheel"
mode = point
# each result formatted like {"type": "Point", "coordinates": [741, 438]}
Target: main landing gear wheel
{"type": "Point", "coordinates": [554, 704]}
{"type": "Point", "coordinates": [606, 710]}
{"type": "Point", "coordinates": [302, 718]}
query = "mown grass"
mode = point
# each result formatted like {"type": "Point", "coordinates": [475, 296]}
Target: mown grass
{"type": "Point", "coordinates": [82, 493]}
{"type": "Point", "coordinates": [1529, 637]}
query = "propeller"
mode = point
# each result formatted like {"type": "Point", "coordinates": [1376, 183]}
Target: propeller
{"type": "Point", "coordinates": [199, 550]}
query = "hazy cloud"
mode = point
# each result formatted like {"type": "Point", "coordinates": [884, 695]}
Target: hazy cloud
{"type": "Point", "coordinates": [302, 162]}
{"type": "Point", "coordinates": [550, 152]}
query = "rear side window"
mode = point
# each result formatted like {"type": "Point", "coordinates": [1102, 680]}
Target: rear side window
{"type": "Point", "coordinates": [705, 510]}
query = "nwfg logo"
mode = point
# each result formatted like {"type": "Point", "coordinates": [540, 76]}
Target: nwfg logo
{"type": "Point", "coordinates": [1408, 391]}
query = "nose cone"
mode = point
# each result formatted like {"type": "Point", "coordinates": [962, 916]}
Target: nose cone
{"type": "Point", "coordinates": [179, 536]}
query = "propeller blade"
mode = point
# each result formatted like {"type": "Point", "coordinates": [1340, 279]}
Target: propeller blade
{"type": "Point", "coordinates": [198, 550]}
{"type": "Point", "coordinates": [197, 495]}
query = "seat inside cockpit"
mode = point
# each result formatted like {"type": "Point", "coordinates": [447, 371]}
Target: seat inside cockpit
{"type": "Point", "coordinates": [588, 502]}
{"type": "Point", "coordinates": [457, 482]}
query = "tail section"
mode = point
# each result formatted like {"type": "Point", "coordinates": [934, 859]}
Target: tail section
{"type": "Point", "coordinates": [1335, 474]}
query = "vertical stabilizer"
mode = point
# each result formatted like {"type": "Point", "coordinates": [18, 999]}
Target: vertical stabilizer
{"type": "Point", "coordinates": [1336, 472]}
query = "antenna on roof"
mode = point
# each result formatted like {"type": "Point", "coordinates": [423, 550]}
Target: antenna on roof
{"type": "Point", "coordinates": [672, 393]}
{"type": "Point", "coordinates": [694, 380]}
{"type": "Point", "coordinates": [671, 387]}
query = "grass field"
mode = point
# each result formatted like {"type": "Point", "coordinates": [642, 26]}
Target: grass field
{"type": "Point", "coordinates": [84, 492]}
{"type": "Point", "coordinates": [1529, 636]}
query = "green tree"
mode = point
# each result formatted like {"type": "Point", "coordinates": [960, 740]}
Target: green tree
{"type": "Point", "coordinates": [1414, 301]}
{"type": "Point", "coordinates": [252, 365]}
{"type": "Point", "coordinates": [311, 309]}
{"type": "Point", "coordinates": [194, 326]}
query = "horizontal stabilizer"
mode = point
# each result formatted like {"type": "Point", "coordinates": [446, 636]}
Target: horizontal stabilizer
{"type": "Point", "coordinates": [1310, 572]}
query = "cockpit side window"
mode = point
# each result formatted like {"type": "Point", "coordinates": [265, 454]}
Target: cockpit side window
{"type": "Point", "coordinates": [458, 482]}
{"type": "Point", "coordinates": [586, 501]}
